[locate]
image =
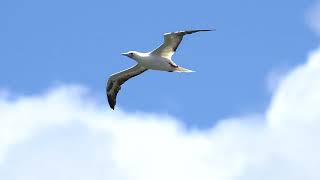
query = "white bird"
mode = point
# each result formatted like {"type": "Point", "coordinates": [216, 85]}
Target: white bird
{"type": "Point", "coordinates": [158, 59]}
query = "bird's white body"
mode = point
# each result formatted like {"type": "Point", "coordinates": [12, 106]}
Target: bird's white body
{"type": "Point", "coordinates": [154, 62]}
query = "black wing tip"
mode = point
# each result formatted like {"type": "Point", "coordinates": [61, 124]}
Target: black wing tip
{"type": "Point", "coordinates": [111, 102]}
{"type": "Point", "coordinates": [205, 30]}
{"type": "Point", "coordinates": [197, 30]}
{"type": "Point", "coordinates": [111, 106]}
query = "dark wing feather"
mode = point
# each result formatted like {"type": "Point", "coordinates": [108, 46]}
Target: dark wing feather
{"type": "Point", "coordinates": [171, 42]}
{"type": "Point", "coordinates": [116, 80]}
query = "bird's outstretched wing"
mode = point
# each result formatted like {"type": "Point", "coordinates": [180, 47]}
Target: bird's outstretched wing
{"type": "Point", "coordinates": [116, 80]}
{"type": "Point", "coordinates": [171, 43]}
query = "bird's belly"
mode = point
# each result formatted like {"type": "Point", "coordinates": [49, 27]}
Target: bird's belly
{"type": "Point", "coordinates": [158, 65]}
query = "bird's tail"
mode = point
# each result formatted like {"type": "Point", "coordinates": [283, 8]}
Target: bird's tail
{"type": "Point", "coordinates": [181, 69]}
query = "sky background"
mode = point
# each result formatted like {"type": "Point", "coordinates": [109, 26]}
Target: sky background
{"type": "Point", "coordinates": [45, 43]}
{"type": "Point", "coordinates": [250, 111]}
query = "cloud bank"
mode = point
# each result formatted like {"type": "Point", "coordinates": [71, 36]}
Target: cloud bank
{"type": "Point", "coordinates": [65, 133]}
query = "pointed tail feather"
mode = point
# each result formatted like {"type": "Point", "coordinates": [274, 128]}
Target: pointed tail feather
{"type": "Point", "coordinates": [181, 69]}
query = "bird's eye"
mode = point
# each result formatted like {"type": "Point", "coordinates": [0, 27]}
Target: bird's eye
{"type": "Point", "coordinates": [131, 54]}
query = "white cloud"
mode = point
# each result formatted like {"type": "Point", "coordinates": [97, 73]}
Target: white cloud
{"type": "Point", "coordinates": [65, 134]}
{"type": "Point", "coordinates": [313, 17]}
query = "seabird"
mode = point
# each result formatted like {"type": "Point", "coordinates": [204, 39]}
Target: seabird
{"type": "Point", "coordinates": [158, 59]}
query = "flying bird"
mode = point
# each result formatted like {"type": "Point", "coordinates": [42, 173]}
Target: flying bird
{"type": "Point", "coordinates": [158, 59]}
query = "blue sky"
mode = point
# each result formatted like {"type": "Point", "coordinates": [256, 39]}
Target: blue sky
{"type": "Point", "coordinates": [45, 43]}
{"type": "Point", "coordinates": [251, 110]}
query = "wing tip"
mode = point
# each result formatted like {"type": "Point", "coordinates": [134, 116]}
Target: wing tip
{"type": "Point", "coordinates": [111, 102]}
{"type": "Point", "coordinates": [111, 106]}
{"type": "Point", "coordinates": [197, 30]}
{"type": "Point", "coordinates": [206, 30]}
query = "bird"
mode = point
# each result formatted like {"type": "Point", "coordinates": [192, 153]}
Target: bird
{"type": "Point", "coordinates": [158, 59]}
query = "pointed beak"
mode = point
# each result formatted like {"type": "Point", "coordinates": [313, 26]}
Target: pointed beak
{"type": "Point", "coordinates": [125, 54]}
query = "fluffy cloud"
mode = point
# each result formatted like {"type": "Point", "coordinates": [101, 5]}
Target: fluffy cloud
{"type": "Point", "coordinates": [65, 133]}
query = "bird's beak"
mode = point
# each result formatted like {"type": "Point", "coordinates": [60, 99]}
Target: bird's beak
{"type": "Point", "coordinates": [125, 54]}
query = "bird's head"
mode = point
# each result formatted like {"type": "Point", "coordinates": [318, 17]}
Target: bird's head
{"type": "Point", "coordinates": [131, 54]}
